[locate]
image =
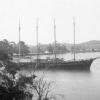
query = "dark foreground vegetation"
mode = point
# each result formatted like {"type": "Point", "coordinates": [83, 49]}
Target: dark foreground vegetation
{"type": "Point", "coordinates": [17, 86]}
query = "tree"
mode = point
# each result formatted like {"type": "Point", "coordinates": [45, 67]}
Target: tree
{"type": "Point", "coordinates": [61, 48]}
{"type": "Point", "coordinates": [5, 50]}
{"type": "Point", "coordinates": [15, 88]}
{"type": "Point", "coordinates": [24, 49]}
{"type": "Point", "coordinates": [43, 89]}
{"type": "Point", "coordinates": [10, 87]}
{"type": "Point", "coordinates": [14, 47]}
{"type": "Point", "coordinates": [3, 55]}
{"type": "Point", "coordinates": [50, 48]}
{"type": "Point", "coordinates": [58, 48]}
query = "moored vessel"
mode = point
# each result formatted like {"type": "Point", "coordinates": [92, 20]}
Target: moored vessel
{"type": "Point", "coordinates": [56, 63]}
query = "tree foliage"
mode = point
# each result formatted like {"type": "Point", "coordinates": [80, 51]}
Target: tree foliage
{"type": "Point", "coordinates": [50, 48]}
{"type": "Point", "coordinates": [22, 87]}
{"type": "Point", "coordinates": [57, 49]}
{"type": "Point", "coordinates": [14, 89]}
{"type": "Point", "coordinates": [5, 50]}
{"type": "Point", "coordinates": [9, 48]}
{"type": "Point", "coordinates": [24, 49]}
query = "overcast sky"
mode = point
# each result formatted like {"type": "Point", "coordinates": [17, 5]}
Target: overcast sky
{"type": "Point", "coordinates": [86, 13]}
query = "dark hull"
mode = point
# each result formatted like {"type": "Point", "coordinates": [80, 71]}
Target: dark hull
{"type": "Point", "coordinates": [72, 65]}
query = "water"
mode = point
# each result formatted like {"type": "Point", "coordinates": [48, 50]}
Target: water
{"type": "Point", "coordinates": [77, 85]}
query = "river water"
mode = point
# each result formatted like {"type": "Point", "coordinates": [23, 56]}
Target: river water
{"type": "Point", "coordinates": [76, 85]}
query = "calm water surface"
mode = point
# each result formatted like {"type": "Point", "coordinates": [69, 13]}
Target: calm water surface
{"type": "Point", "coordinates": [76, 85]}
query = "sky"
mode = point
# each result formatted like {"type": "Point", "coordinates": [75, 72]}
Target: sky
{"type": "Point", "coordinates": [85, 12]}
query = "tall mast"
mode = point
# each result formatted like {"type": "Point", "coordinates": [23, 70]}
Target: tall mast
{"type": "Point", "coordinates": [37, 40]}
{"type": "Point", "coordinates": [19, 41]}
{"type": "Point", "coordinates": [74, 37]}
{"type": "Point", "coordinates": [55, 39]}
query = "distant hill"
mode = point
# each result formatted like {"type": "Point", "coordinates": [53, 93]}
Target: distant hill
{"type": "Point", "coordinates": [89, 46]}
{"type": "Point", "coordinates": [93, 45]}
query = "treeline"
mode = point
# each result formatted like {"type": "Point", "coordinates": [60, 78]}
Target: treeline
{"type": "Point", "coordinates": [50, 48]}
{"type": "Point", "coordinates": [12, 48]}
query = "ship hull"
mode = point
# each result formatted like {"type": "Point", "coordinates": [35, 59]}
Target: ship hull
{"type": "Point", "coordinates": [72, 65]}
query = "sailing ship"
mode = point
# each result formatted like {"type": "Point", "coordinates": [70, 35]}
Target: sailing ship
{"type": "Point", "coordinates": [59, 64]}
{"type": "Point", "coordinates": [56, 63]}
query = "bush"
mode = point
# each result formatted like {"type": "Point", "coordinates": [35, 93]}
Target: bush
{"type": "Point", "coordinates": [12, 88]}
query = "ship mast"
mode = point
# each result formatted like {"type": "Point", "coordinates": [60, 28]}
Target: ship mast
{"type": "Point", "coordinates": [37, 42]}
{"type": "Point", "coordinates": [74, 37]}
{"type": "Point", "coordinates": [19, 42]}
{"type": "Point", "coordinates": [55, 39]}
